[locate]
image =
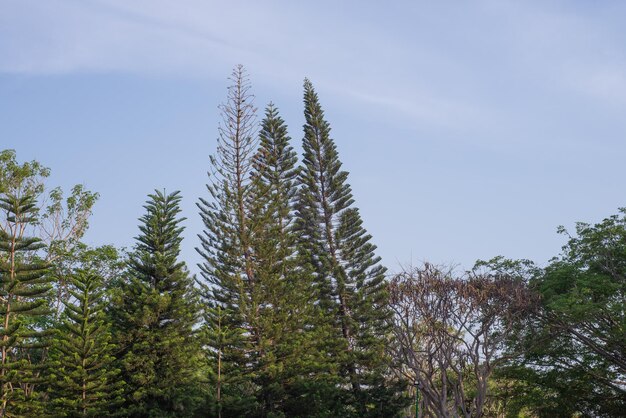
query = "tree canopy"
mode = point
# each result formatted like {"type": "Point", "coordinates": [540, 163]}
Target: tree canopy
{"type": "Point", "coordinates": [293, 313]}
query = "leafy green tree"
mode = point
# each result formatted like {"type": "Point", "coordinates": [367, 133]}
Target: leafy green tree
{"type": "Point", "coordinates": [62, 224]}
{"type": "Point", "coordinates": [228, 267]}
{"type": "Point", "coordinates": [24, 286]}
{"type": "Point", "coordinates": [154, 313]}
{"type": "Point", "coordinates": [106, 261]}
{"type": "Point", "coordinates": [83, 380]}
{"type": "Point", "coordinates": [582, 327]}
{"type": "Point", "coordinates": [571, 360]}
{"type": "Point", "coordinates": [39, 234]}
{"type": "Point", "coordinates": [349, 277]}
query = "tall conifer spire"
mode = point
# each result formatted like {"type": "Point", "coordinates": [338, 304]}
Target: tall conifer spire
{"type": "Point", "coordinates": [349, 276]}
{"type": "Point", "coordinates": [228, 266]}
{"type": "Point", "coordinates": [288, 355]}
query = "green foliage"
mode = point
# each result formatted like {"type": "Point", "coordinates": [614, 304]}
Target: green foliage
{"type": "Point", "coordinates": [84, 381]}
{"type": "Point", "coordinates": [27, 178]}
{"type": "Point", "coordinates": [572, 359]}
{"type": "Point", "coordinates": [155, 312]}
{"type": "Point", "coordinates": [288, 323]}
{"type": "Point", "coordinates": [66, 220]}
{"type": "Point", "coordinates": [106, 261]}
{"type": "Point", "coordinates": [348, 275]}
{"type": "Point", "coordinates": [24, 286]}
{"type": "Point", "coordinates": [295, 305]}
{"type": "Point", "coordinates": [229, 285]}
{"type": "Point", "coordinates": [583, 357]}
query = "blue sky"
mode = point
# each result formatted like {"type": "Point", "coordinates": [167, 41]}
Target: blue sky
{"type": "Point", "coordinates": [470, 129]}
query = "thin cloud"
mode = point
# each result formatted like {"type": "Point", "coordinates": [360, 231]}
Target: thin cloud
{"type": "Point", "coordinates": [429, 109]}
{"type": "Point", "coordinates": [353, 54]}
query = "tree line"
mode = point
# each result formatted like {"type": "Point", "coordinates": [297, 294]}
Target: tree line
{"type": "Point", "coordinates": [292, 313]}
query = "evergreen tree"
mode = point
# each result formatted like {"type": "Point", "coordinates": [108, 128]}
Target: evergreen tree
{"type": "Point", "coordinates": [24, 287]}
{"type": "Point", "coordinates": [350, 280]}
{"type": "Point", "coordinates": [155, 312]}
{"type": "Point", "coordinates": [287, 358]}
{"type": "Point", "coordinates": [228, 268]}
{"type": "Point", "coordinates": [83, 380]}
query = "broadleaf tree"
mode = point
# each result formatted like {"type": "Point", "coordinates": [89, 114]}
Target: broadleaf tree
{"type": "Point", "coordinates": [573, 358]}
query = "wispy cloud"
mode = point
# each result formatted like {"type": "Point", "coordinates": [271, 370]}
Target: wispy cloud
{"type": "Point", "coordinates": [200, 39]}
{"type": "Point", "coordinates": [517, 85]}
{"type": "Point", "coordinates": [66, 37]}
{"type": "Point", "coordinates": [401, 59]}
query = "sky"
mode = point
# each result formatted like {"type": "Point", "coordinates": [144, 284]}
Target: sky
{"type": "Point", "coordinates": [470, 129]}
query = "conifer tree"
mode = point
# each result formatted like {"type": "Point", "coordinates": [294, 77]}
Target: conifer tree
{"type": "Point", "coordinates": [24, 286]}
{"type": "Point", "coordinates": [154, 313]}
{"type": "Point", "coordinates": [84, 382]}
{"type": "Point", "coordinates": [287, 357]}
{"type": "Point", "coordinates": [348, 274]}
{"type": "Point", "coordinates": [228, 270]}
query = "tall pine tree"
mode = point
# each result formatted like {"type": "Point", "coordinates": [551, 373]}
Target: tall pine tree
{"type": "Point", "coordinates": [288, 362]}
{"type": "Point", "coordinates": [228, 267]}
{"type": "Point", "coordinates": [84, 382]}
{"type": "Point", "coordinates": [24, 287]}
{"type": "Point", "coordinates": [348, 274]}
{"type": "Point", "coordinates": [155, 313]}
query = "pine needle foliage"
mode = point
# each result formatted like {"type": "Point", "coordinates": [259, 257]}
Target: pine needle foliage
{"type": "Point", "coordinates": [24, 287]}
{"type": "Point", "coordinates": [84, 382]}
{"type": "Point", "coordinates": [286, 356]}
{"type": "Point", "coordinates": [348, 274]}
{"type": "Point", "coordinates": [228, 267]}
{"type": "Point", "coordinates": [155, 313]}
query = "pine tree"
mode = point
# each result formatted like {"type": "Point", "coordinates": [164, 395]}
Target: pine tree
{"type": "Point", "coordinates": [84, 382]}
{"type": "Point", "coordinates": [287, 358]}
{"type": "Point", "coordinates": [349, 276]}
{"type": "Point", "coordinates": [154, 313]}
{"type": "Point", "coordinates": [24, 286]}
{"type": "Point", "coordinates": [228, 270]}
